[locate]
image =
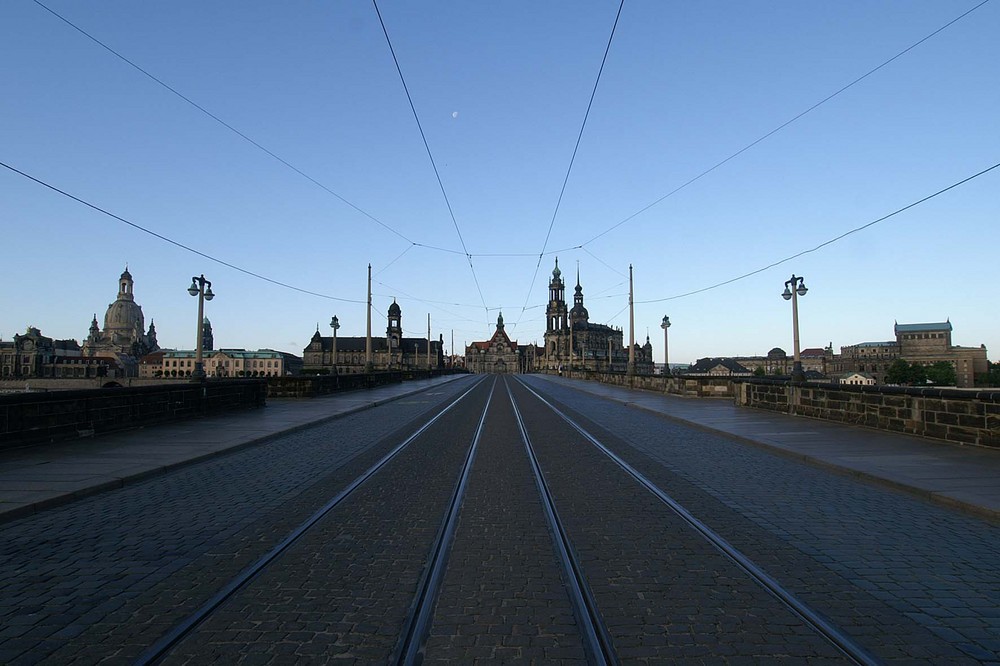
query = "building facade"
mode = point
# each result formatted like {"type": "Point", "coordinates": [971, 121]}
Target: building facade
{"type": "Point", "coordinates": [220, 363]}
{"type": "Point", "coordinates": [924, 344]}
{"type": "Point", "coordinates": [573, 341]}
{"type": "Point", "coordinates": [33, 355]}
{"type": "Point", "coordinates": [392, 352]}
{"type": "Point", "coordinates": [497, 355]}
{"type": "Point", "coordinates": [124, 337]}
{"type": "Point", "coordinates": [777, 362]}
{"type": "Point", "coordinates": [717, 367]}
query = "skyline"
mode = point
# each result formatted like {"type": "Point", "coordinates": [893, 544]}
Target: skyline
{"type": "Point", "coordinates": [501, 100]}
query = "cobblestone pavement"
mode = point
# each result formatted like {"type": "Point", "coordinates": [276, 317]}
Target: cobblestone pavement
{"type": "Point", "coordinates": [98, 581]}
{"type": "Point", "coordinates": [665, 593]}
{"type": "Point", "coordinates": [104, 577]}
{"type": "Point", "coordinates": [910, 579]}
{"type": "Point", "coordinates": [345, 589]}
{"type": "Point", "coordinates": [503, 597]}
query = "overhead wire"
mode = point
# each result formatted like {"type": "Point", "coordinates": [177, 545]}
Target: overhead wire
{"type": "Point", "coordinates": [173, 242]}
{"type": "Point", "coordinates": [828, 242]}
{"type": "Point", "coordinates": [783, 125]}
{"type": "Point", "coordinates": [572, 160]}
{"type": "Point", "coordinates": [430, 155]}
{"type": "Point", "coordinates": [236, 131]}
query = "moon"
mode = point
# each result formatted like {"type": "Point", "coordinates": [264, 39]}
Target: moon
{"type": "Point", "coordinates": [454, 114]}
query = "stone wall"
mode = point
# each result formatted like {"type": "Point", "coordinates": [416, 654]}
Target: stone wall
{"type": "Point", "coordinates": [310, 386]}
{"type": "Point", "coordinates": [965, 417]}
{"type": "Point", "coordinates": [27, 418]}
{"type": "Point", "coordinates": [700, 387]}
{"type": "Point", "coordinates": [70, 384]}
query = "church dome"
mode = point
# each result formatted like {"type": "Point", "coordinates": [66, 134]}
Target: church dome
{"type": "Point", "coordinates": [394, 308]}
{"type": "Point", "coordinates": [123, 315]}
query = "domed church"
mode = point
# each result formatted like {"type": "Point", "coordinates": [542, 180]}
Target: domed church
{"type": "Point", "coordinates": [124, 337]}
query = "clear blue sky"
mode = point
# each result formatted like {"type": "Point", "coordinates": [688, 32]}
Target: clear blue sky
{"type": "Point", "coordinates": [501, 90]}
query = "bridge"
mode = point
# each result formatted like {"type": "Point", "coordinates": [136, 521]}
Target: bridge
{"type": "Point", "coordinates": [500, 519]}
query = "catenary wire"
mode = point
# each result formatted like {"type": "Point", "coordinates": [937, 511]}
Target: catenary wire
{"type": "Point", "coordinates": [176, 243]}
{"type": "Point", "coordinates": [783, 125]}
{"type": "Point", "coordinates": [233, 129]}
{"type": "Point", "coordinates": [430, 155]}
{"type": "Point", "coordinates": [828, 242]}
{"type": "Point", "coordinates": [572, 159]}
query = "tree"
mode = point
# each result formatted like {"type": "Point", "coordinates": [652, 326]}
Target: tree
{"type": "Point", "coordinates": [898, 372]}
{"type": "Point", "coordinates": [759, 371]}
{"type": "Point", "coordinates": [942, 373]}
{"type": "Point", "coordinates": [991, 377]}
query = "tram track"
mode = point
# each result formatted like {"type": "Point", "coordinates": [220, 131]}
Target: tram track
{"type": "Point", "coordinates": [850, 649]}
{"type": "Point", "coordinates": [592, 552]}
{"type": "Point", "coordinates": [162, 648]}
{"type": "Point", "coordinates": [597, 639]}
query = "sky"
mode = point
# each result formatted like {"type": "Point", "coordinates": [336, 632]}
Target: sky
{"type": "Point", "coordinates": [273, 148]}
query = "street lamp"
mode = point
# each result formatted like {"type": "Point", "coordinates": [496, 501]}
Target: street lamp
{"type": "Point", "coordinates": [334, 324]}
{"type": "Point", "coordinates": [794, 288]}
{"type": "Point", "coordinates": [201, 288]}
{"type": "Point", "coordinates": [665, 324]}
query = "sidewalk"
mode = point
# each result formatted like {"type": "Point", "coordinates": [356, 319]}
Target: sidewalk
{"type": "Point", "coordinates": [38, 477]}
{"type": "Point", "coordinates": [963, 476]}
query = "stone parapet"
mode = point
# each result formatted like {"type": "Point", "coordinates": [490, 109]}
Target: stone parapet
{"type": "Point", "coordinates": [965, 417]}
{"type": "Point", "coordinates": [700, 387]}
{"type": "Point", "coordinates": [27, 418]}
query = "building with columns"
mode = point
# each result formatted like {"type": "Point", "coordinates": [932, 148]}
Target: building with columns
{"type": "Point", "coordinates": [924, 344]}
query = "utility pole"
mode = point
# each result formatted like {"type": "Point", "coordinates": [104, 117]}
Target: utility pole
{"type": "Point", "coordinates": [428, 340]}
{"type": "Point", "coordinates": [368, 334]}
{"type": "Point", "coordinates": [631, 325]}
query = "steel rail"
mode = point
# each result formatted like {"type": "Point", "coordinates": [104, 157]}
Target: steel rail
{"type": "Point", "coordinates": [597, 639]}
{"type": "Point", "coordinates": [162, 647]}
{"type": "Point", "coordinates": [410, 649]}
{"type": "Point", "coordinates": [834, 634]}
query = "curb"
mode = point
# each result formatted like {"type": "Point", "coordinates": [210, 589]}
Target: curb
{"type": "Point", "coordinates": [929, 495]}
{"type": "Point", "coordinates": [25, 510]}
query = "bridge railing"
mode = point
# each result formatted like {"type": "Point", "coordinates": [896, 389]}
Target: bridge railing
{"type": "Point", "coordinates": [35, 417]}
{"type": "Point", "coordinates": [955, 415]}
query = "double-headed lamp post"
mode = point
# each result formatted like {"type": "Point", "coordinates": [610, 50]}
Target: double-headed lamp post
{"type": "Point", "coordinates": [665, 324]}
{"type": "Point", "coordinates": [201, 288]}
{"type": "Point", "coordinates": [794, 288]}
{"type": "Point", "coordinates": [334, 324]}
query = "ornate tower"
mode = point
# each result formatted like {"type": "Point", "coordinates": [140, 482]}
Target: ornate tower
{"type": "Point", "coordinates": [579, 314]}
{"type": "Point", "coordinates": [394, 331]}
{"type": "Point", "coordinates": [151, 337]}
{"type": "Point", "coordinates": [207, 339]}
{"type": "Point", "coordinates": [556, 319]}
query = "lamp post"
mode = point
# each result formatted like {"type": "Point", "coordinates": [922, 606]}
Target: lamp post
{"type": "Point", "coordinates": [794, 288]}
{"type": "Point", "coordinates": [201, 288]}
{"type": "Point", "coordinates": [334, 324]}
{"type": "Point", "coordinates": [665, 324]}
